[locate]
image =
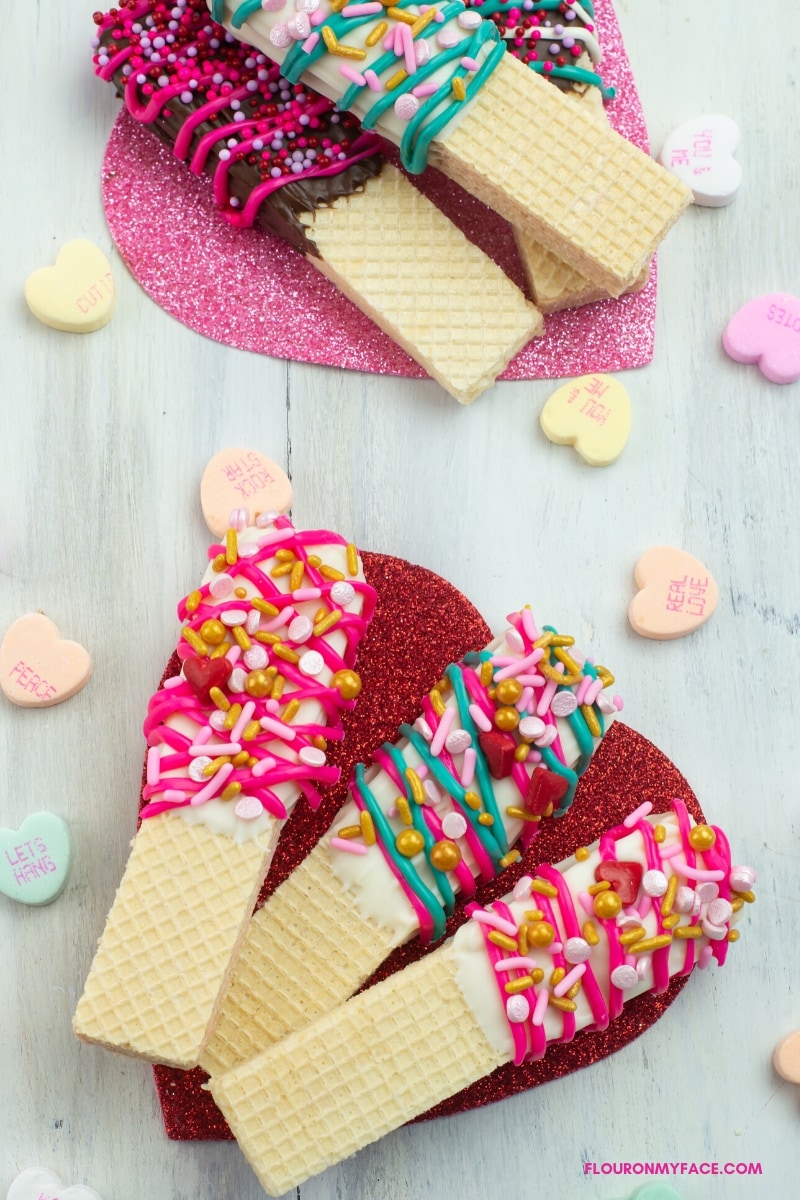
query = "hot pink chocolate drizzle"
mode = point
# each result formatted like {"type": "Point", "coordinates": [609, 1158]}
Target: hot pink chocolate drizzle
{"type": "Point", "coordinates": [274, 757]}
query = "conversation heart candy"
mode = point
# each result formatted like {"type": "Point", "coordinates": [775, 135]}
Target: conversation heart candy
{"type": "Point", "coordinates": [786, 1058]}
{"type": "Point", "coordinates": [35, 859]}
{"type": "Point", "coordinates": [592, 413]}
{"type": "Point", "coordinates": [767, 331]}
{"type": "Point", "coordinates": [37, 666]}
{"type": "Point", "coordinates": [701, 153]}
{"type": "Point", "coordinates": [77, 293]}
{"type": "Point", "coordinates": [37, 1183]}
{"type": "Point", "coordinates": [238, 485]}
{"type": "Point", "coordinates": [676, 594]}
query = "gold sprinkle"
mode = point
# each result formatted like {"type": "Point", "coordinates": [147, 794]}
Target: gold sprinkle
{"type": "Point", "coordinates": [748, 897]}
{"type": "Point", "coordinates": [472, 801]}
{"type": "Point", "coordinates": [543, 641]}
{"type": "Point", "coordinates": [519, 985]}
{"type": "Point", "coordinates": [581, 854]}
{"type": "Point", "coordinates": [338, 5]}
{"type": "Point", "coordinates": [194, 640]}
{"type": "Point", "coordinates": [251, 731]}
{"type": "Point", "coordinates": [487, 673]}
{"type": "Point", "coordinates": [230, 791]}
{"type": "Point", "coordinates": [241, 636]}
{"type": "Point", "coordinates": [671, 921]}
{"type": "Point", "coordinates": [458, 88]}
{"type": "Point", "coordinates": [437, 703]}
{"type": "Point", "coordinates": [290, 712]}
{"type": "Point", "coordinates": [563, 1005]}
{"type": "Point", "coordinates": [352, 553]}
{"type": "Point", "coordinates": [193, 601]}
{"type": "Point", "coordinates": [631, 936]}
{"type": "Point", "coordinates": [400, 14]}
{"type": "Point", "coordinates": [234, 712]}
{"type": "Point", "coordinates": [240, 593]}
{"type": "Point", "coordinates": [556, 676]}
{"type": "Point", "coordinates": [218, 564]}
{"type": "Point", "coordinates": [590, 717]}
{"type": "Point", "coordinates": [269, 639]}
{"type": "Point", "coordinates": [523, 939]}
{"type": "Point", "coordinates": [214, 766]}
{"type": "Point", "coordinates": [320, 615]}
{"type": "Point", "coordinates": [544, 888]}
{"type": "Point", "coordinates": [219, 698]}
{"type": "Point", "coordinates": [278, 684]}
{"type": "Point", "coordinates": [319, 742]}
{"type": "Point", "coordinates": [367, 828]}
{"type": "Point", "coordinates": [252, 762]}
{"type": "Point", "coordinates": [281, 570]}
{"type": "Point", "coordinates": [733, 935]}
{"type": "Point", "coordinates": [221, 650]}
{"type": "Point", "coordinates": [296, 576]}
{"type": "Point", "coordinates": [286, 653]}
{"type": "Point", "coordinates": [590, 933]}
{"type": "Point", "coordinates": [377, 33]}
{"type": "Point", "coordinates": [562, 639]}
{"type": "Point", "coordinates": [444, 685]}
{"type": "Point", "coordinates": [523, 749]}
{"type": "Point", "coordinates": [314, 561]}
{"type": "Point", "coordinates": [404, 810]}
{"type": "Point", "coordinates": [241, 759]}
{"type": "Point", "coordinates": [231, 547]}
{"type": "Point", "coordinates": [327, 622]}
{"type": "Point", "coordinates": [283, 555]}
{"type": "Point", "coordinates": [534, 914]}
{"type": "Point", "coordinates": [687, 931]}
{"type": "Point", "coordinates": [395, 80]}
{"type": "Point", "coordinates": [415, 785]}
{"type": "Point", "coordinates": [737, 903]}
{"type": "Point", "coordinates": [521, 814]}
{"type": "Point", "coordinates": [486, 819]}
{"type": "Point", "coordinates": [573, 991]}
{"type": "Point", "coordinates": [556, 976]}
{"type": "Point", "coordinates": [538, 975]}
{"type": "Point", "coordinates": [331, 573]}
{"type": "Point", "coordinates": [604, 675]}
{"type": "Point", "coordinates": [669, 896]}
{"type": "Point", "coordinates": [566, 658]}
{"type": "Point", "coordinates": [659, 834]}
{"type": "Point", "coordinates": [650, 944]}
{"type": "Point", "coordinates": [264, 606]}
{"type": "Point", "coordinates": [423, 22]}
{"type": "Point", "coordinates": [602, 885]}
{"type": "Point", "coordinates": [503, 940]}
{"type": "Point", "coordinates": [349, 831]}
{"type": "Point", "coordinates": [512, 857]}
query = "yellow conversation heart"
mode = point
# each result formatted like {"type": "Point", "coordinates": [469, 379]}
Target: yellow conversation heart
{"type": "Point", "coordinates": [77, 293]}
{"type": "Point", "coordinates": [593, 414]}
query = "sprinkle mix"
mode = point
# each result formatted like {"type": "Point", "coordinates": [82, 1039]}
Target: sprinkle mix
{"type": "Point", "coordinates": [494, 716]}
{"type": "Point", "coordinates": [231, 103]}
{"type": "Point", "coordinates": [547, 953]}
{"type": "Point", "coordinates": [263, 683]}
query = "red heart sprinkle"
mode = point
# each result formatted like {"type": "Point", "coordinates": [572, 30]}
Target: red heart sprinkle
{"type": "Point", "coordinates": [624, 878]}
{"type": "Point", "coordinates": [202, 674]}
{"type": "Point", "coordinates": [544, 789]}
{"type": "Point", "coordinates": [498, 750]}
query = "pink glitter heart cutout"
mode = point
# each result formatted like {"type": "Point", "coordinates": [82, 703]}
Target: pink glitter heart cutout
{"type": "Point", "coordinates": [248, 290]}
{"type": "Point", "coordinates": [767, 331]}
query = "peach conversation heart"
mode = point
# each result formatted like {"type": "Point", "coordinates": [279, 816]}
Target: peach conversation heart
{"type": "Point", "coordinates": [701, 153]}
{"type": "Point", "coordinates": [238, 481]}
{"type": "Point", "coordinates": [677, 594]}
{"type": "Point", "coordinates": [767, 331]}
{"type": "Point", "coordinates": [786, 1058]}
{"type": "Point", "coordinates": [592, 413]}
{"type": "Point", "coordinates": [37, 666]}
{"type": "Point", "coordinates": [39, 1184]}
{"type": "Point", "coordinates": [77, 293]}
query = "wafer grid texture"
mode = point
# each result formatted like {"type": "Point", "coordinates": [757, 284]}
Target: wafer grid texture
{"type": "Point", "coordinates": [588, 195]}
{"type": "Point", "coordinates": [306, 951]}
{"type": "Point", "coordinates": [163, 960]}
{"type": "Point", "coordinates": [376, 1062]}
{"type": "Point", "coordinates": [416, 275]}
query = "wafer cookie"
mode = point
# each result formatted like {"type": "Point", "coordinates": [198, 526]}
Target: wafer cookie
{"type": "Point", "coordinates": [497, 748]}
{"type": "Point", "coordinates": [655, 897]}
{"type": "Point", "coordinates": [284, 158]}
{"type": "Point", "coordinates": [268, 644]}
{"type": "Point", "coordinates": [585, 193]}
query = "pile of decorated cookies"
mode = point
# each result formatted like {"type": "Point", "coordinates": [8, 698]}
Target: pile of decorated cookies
{"type": "Point", "coordinates": [293, 108]}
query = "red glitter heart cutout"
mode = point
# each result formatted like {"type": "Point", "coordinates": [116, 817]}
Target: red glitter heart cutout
{"type": "Point", "coordinates": [421, 623]}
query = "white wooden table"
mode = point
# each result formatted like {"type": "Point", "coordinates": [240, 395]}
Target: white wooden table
{"type": "Point", "coordinates": [103, 442]}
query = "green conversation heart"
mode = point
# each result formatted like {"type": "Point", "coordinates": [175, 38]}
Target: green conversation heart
{"type": "Point", "coordinates": [35, 859]}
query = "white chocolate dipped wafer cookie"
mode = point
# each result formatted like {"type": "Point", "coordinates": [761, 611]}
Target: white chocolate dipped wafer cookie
{"type": "Point", "coordinates": [268, 645]}
{"type": "Point", "coordinates": [498, 746]}
{"type": "Point", "coordinates": [652, 899]}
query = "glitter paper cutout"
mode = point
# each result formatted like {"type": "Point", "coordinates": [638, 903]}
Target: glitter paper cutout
{"type": "Point", "coordinates": [397, 664]}
{"type": "Point", "coordinates": [244, 287]}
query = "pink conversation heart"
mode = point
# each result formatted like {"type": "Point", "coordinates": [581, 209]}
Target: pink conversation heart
{"type": "Point", "coordinates": [767, 331]}
{"type": "Point", "coordinates": [677, 594]}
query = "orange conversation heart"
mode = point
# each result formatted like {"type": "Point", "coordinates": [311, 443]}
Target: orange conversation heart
{"type": "Point", "coordinates": [238, 485]}
{"type": "Point", "coordinates": [677, 594]}
{"type": "Point", "coordinates": [37, 666]}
